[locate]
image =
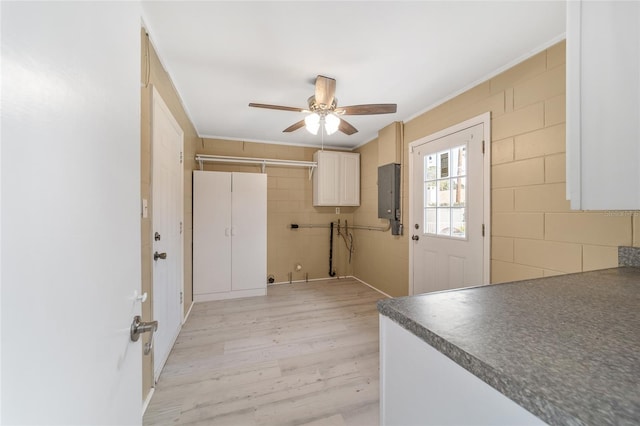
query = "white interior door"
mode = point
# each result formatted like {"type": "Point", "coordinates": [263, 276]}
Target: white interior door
{"type": "Point", "coordinates": [249, 231]}
{"type": "Point", "coordinates": [448, 221]}
{"type": "Point", "coordinates": [70, 213]}
{"type": "Point", "coordinates": [212, 233]}
{"type": "Point", "coordinates": [167, 143]}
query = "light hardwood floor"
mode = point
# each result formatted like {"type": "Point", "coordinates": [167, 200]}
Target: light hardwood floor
{"type": "Point", "coordinates": [305, 354]}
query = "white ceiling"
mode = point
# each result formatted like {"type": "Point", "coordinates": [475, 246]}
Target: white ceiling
{"type": "Point", "coordinates": [223, 55]}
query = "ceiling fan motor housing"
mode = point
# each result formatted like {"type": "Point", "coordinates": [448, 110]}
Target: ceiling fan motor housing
{"type": "Point", "coordinates": [321, 108]}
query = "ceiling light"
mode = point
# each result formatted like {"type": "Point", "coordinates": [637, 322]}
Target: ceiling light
{"type": "Point", "coordinates": [331, 123]}
{"type": "Point", "coordinates": [312, 123]}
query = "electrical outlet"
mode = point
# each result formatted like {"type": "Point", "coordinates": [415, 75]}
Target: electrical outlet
{"type": "Point", "coordinates": [337, 210]}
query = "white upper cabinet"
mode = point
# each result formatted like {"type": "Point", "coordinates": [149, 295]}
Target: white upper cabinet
{"type": "Point", "coordinates": [336, 180]}
{"type": "Point", "coordinates": [603, 105]}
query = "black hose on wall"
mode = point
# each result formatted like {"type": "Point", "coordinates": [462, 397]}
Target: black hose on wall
{"type": "Point", "coordinates": [332, 273]}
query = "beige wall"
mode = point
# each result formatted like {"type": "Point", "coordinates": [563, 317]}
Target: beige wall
{"type": "Point", "coordinates": [381, 259]}
{"type": "Point", "coordinates": [289, 200]}
{"type": "Point", "coordinates": [153, 74]}
{"type": "Point", "coordinates": [533, 232]}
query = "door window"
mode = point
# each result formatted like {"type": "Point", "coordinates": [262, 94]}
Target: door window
{"type": "Point", "coordinates": [445, 182]}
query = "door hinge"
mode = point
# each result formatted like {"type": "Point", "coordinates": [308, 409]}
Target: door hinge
{"type": "Point", "coordinates": [181, 157]}
{"type": "Point", "coordinates": [483, 229]}
{"type": "Point", "coordinates": [181, 227]}
{"type": "Point", "coordinates": [180, 297]}
{"type": "Point", "coordinates": [483, 147]}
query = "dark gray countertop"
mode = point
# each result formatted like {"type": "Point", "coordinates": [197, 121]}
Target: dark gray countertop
{"type": "Point", "coordinates": [566, 348]}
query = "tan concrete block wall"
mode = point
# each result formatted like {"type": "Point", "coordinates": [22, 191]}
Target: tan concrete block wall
{"type": "Point", "coordinates": [529, 205]}
{"type": "Point", "coordinates": [518, 173]}
{"type": "Point", "coordinates": [533, 232]}
{"type": "Point", "coordinates": [380, 259]}
{"type": "Point", "coordinates": [541, 198]}
{"type": "Point", "coordinates": [555, 168]}
{"type": "Point", "coordinates": [502, 249]}
{"type": "Point", "coordinates": [290, 200]}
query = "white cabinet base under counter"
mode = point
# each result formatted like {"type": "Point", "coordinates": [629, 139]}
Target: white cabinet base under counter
{"type": "Point", "coordinates": [421, 386]}
{"type": "Point", "coordinates": [564, 348]}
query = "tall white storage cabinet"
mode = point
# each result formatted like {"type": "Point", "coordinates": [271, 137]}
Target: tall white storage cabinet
{"type": "Point", "coordinates": [229, 235]}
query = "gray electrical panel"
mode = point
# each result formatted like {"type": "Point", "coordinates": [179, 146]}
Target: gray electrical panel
{"type": "Point", "coordinates": [389, 196]}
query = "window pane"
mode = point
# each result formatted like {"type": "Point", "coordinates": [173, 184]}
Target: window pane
{"type": "Point", "coordinates": [459, 161]}
{"type": "Point", "coordinates": [443, 164]}
{"type": "Point", "coordinates": [444, 194]}
{"type": "Point", "coordinates": [458, 228]}
{"type": "Point", "coordinates": [430, 194]}
{"type": "Point", "coordinates": [458, 191]}
{"type": "Point", "coordinates": [430, 221]}
{"type": "Point", "coordinates": [430, 167]}
{"type": "Point", "coordinates": [444, 222]}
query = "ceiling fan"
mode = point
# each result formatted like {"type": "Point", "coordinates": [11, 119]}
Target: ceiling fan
{"type": "Point", "coordinates": [324, 110]}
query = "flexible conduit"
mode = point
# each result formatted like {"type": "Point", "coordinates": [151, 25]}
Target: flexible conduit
{"type": "Point", "coordinates": [365, 227]}
{"type": "Point", "coordinates": [332, 273]}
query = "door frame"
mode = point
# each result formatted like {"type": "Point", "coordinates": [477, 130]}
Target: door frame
{"type": "Point", "coordinates": [484, 119]}
{"type": "Point", "coordinates": [155, 95]}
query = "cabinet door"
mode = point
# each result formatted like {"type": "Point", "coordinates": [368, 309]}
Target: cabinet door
{"type": "Point", "coordinates": [603, 105]}
{"type": "Point", "coordinates": [421, 386]}
{"type": "Point", "coordinates": [350, 180]}
{"type": "Point", "coordinates": [211, 232]}
{"type": "Point", "coordinates": [249, 231]}
{"type": "Point", "coordinates": [326, 179]}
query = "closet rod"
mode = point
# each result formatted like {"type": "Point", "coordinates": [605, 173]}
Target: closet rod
{"type": "Point", "coordinates": [204, 158]}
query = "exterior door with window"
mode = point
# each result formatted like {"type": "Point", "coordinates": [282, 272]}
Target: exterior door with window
{"type": "Point", "coordinates": [447, 217]}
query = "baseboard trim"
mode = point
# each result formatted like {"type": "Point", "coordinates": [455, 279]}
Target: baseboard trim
{"type": "Point", "coordinates": [147, 400]}
{"type": "Point", "coordinates": [209, 297]}
{"type": "Point", "coordinates": [187, 314]}
{"type": "Point", "coordinates": [369, 285]}
{"type": "Point", "coordinates": [311, 280]}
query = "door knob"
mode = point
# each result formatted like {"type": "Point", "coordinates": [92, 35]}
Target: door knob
{"type": "Point", "coordinates": [138, 327]}
{"type": "Point", "coordinates": [157, 256]}
{"type": "Point", "coordinates": [415, 238]}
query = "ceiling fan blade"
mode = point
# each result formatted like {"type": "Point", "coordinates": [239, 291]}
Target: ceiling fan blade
{"type": "Point", "coordinates": [346, 128]}
{"type": "Point", "coordinates": [367, 109]}
{"type": "Point", "coordinates": [294, 127]}
{"type": "Point", "coordinates": [278, 107]}
{"type": "Point", "coordinates": [325, 90]}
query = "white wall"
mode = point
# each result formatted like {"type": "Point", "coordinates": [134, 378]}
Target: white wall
{"type": "Point", "coordinates": [70, 195]}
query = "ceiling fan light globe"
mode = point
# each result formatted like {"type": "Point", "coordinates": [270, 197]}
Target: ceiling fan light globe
{"type": "Point", "coordinates": [331, 124]}
{"type": "Point", "coordinates": [312, 123]}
